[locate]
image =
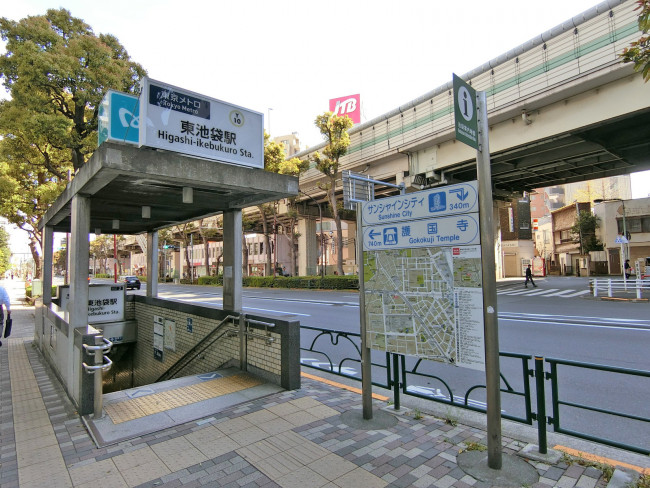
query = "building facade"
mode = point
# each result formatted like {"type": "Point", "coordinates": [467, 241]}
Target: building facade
{"type": "Point", "coordinates": [621, 221]}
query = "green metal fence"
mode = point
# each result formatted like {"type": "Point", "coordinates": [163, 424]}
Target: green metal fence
{"type": "Point", "coordinates": [408, 380]}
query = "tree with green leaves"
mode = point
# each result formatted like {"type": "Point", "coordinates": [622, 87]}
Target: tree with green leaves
{"type": "Point", "coordinates": [5, 251]}
{"type": "Point", "coordinates": [275, 161]}
{"type": "Point", "coordinates": [185, 231]}
{"type": "Point", "coordinates": [584, 231]}
{"type": "Point", "coordinates": [210, 233]}
{"type": "Point", "coordinates": [101, 249]}
{"type": "Point", "coordinates": [638, 52]}
{"type": "Point", "coordinates": [335, 132]}
{"type": "Point", "coordinates": [56, 70]}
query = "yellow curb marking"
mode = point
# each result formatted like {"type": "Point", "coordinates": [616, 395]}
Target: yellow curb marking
{"type": "Point", "coordinates": [166, 400]}
{"type": "Point", "coordinates": [341, 385]}
{"type": "Point", "coordinates": [601, 459]}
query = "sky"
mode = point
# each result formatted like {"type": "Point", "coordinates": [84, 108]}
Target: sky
{"type": "Point", "coordinates": [286, 58]}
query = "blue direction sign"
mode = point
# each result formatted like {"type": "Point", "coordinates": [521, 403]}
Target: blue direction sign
{"type": "Point", "coordinates": [454, 230]}
{"type": "Point", "coordinates": [446, 200]}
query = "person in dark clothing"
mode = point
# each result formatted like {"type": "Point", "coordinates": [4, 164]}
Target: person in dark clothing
{"type": "Point", "coordinates": [627, 269]}
{"type": "Point", "coordinates": [529, 276]}
{"type": "Point", "coordinates": [4, 300]}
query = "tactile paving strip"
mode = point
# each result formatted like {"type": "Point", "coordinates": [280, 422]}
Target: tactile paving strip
{"type": "Point", "coordinates": [166, 400]}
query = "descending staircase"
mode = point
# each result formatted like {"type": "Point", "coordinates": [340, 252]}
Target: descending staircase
{"type": "Point", "coordinates": [226, 326]}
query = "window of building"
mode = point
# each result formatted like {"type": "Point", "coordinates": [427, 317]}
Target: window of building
{"type": "Point", "coordinates": [645, 224]}
{"type": "Point", "coordinates": [565, 235]}
{"type": "Point", "coordinates": [633, 225]}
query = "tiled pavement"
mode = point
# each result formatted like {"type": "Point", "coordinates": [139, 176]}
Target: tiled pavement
{"type": "Point", "coordinates": [289, 439]}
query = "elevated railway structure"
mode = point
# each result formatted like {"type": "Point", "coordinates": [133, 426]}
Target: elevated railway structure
{"type": "Point", "coordinates": [562, 108]}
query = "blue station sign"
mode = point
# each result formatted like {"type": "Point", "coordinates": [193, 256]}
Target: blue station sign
{"type": "Point", "coordinates": [435, 202]}
{"type": "Point", "coordinates": [451, 230]}
{"type": "Point", "coordinates": [119, 118]}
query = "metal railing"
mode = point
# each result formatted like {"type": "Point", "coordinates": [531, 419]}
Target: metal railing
{"type": "Point", "coordinates": [409, 381]}
{"type": "Point", "coordinates": [102, 363]}
{"type": "Point", "coordinates": [554, 377]}
{"type": "Point", "coordinates": [612, 287]}
{"type": "Point", "coordinates": [219, 331]}
{"type": "Point", "coordinates": [240, 326]}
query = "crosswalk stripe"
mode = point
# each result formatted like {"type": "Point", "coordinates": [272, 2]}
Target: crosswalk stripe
{"type": "Point", "coordinates": [576, 294]}
{"type": "Point", "coordinates": [563, 293]}
{"type": "Point", "coordinates": [550, 292]}
{"type": "Point", "coordinates": [542, 292]}
{"type": "Point", "coordinates": [519, 292]}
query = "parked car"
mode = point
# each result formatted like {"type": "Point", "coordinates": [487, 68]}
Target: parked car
{"type": "Point", "coordinates": [132, 282]}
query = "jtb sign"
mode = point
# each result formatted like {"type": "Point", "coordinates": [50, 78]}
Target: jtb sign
{"type": "Point", "coordinates": [350, 106]}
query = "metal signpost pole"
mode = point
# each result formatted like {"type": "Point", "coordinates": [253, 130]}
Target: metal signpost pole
{"type": "Point", "coordinates": [472, 129]}
{"type": "Point", "coordinates": [490, 319]}
{"type": "Point", "coordinates": [366, 372]}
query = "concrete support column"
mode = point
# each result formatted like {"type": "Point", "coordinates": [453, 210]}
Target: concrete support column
{"type": "Point", "coordinates": [308, 248]}
{"type": "Point", "coordinates": [78, 302]}
{"type": "Point", "coordinates": [232, 261]}
{"type": "Point", "coordinates": [79, 256]}
{"type": "Point", "coordinates": [152, 264]}
{"type": "Point", "coordinates": [48, 241]}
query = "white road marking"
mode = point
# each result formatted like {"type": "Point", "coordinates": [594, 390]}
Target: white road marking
{"type": "Point", "coordinates": [542, 292]}
{"type": "Point", "coordinates": [277, 311]}
{"type": "Point", "coordinates": [595, 326]}
{"type": "Point", "coordinates": [576, 294]}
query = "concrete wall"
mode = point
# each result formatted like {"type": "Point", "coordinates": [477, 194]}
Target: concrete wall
{"type": "Point", "coordinates": [272, 346]}
{"type": "Point", "coordinates": [62, 348]}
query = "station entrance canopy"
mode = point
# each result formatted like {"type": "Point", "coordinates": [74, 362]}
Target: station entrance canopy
{"type": "Point", "coordinates": [134, 190]}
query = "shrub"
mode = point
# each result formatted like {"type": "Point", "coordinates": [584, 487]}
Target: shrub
{"type": "Point", "coordinates": [28, 291]}
{"type": "Point", "coordinates": [258, 281]}
{"type": "Point", "coordinates": [211, 280]}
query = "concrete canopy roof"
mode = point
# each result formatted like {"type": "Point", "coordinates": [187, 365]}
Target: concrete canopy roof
{"type": "Point", "coordinates": [120, 179]}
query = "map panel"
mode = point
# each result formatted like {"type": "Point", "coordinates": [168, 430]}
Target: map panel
{"type": "Point", "coordinates": [426, 302]}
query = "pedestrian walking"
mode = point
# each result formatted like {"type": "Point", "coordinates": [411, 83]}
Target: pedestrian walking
{"type": "Point", "coordinates": [529, 276]}
{"type": "Point", "coordinates": [4, 304]}
{"type": "Point", "coordinates": [628, 268]}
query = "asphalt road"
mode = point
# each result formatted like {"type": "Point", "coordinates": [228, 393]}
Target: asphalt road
{"type": "Point", "coordinates": [558, 319]}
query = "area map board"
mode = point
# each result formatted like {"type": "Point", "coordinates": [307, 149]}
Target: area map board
{"type": "Point", "coordinates": [422, 275]}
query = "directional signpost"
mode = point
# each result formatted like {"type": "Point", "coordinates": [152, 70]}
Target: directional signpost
{"type": "Point", "coordinates": [472, 129]}
{"type": "Point", "coordinates": [422, 275]}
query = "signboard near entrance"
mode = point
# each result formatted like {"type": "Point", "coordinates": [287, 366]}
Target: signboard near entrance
{"type": "Point", "coordinates": [465, 113]}
{"type": "Point", "coordinates": [119, 118]}
{"type": "Point", "coordinates": [422, 278]}
{"type": "Point", "coordinates": [105, 302]}
{"type": "Point", "coordinates": [186, 122]}
{"type": "Point", "coordinates": [453, 230]}
{"type": "Point", "coordinates": [435, 202]}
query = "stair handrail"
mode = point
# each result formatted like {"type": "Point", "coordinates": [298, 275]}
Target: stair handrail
{"type": "Point", "coordinates": [202, 345]}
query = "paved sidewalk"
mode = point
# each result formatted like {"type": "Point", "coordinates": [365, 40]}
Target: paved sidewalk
{"type": "Point", "coordinates": [289, 439]}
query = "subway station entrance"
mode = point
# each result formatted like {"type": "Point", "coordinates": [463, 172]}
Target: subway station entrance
{"type": "Point", "coordinates": [124, 189]}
